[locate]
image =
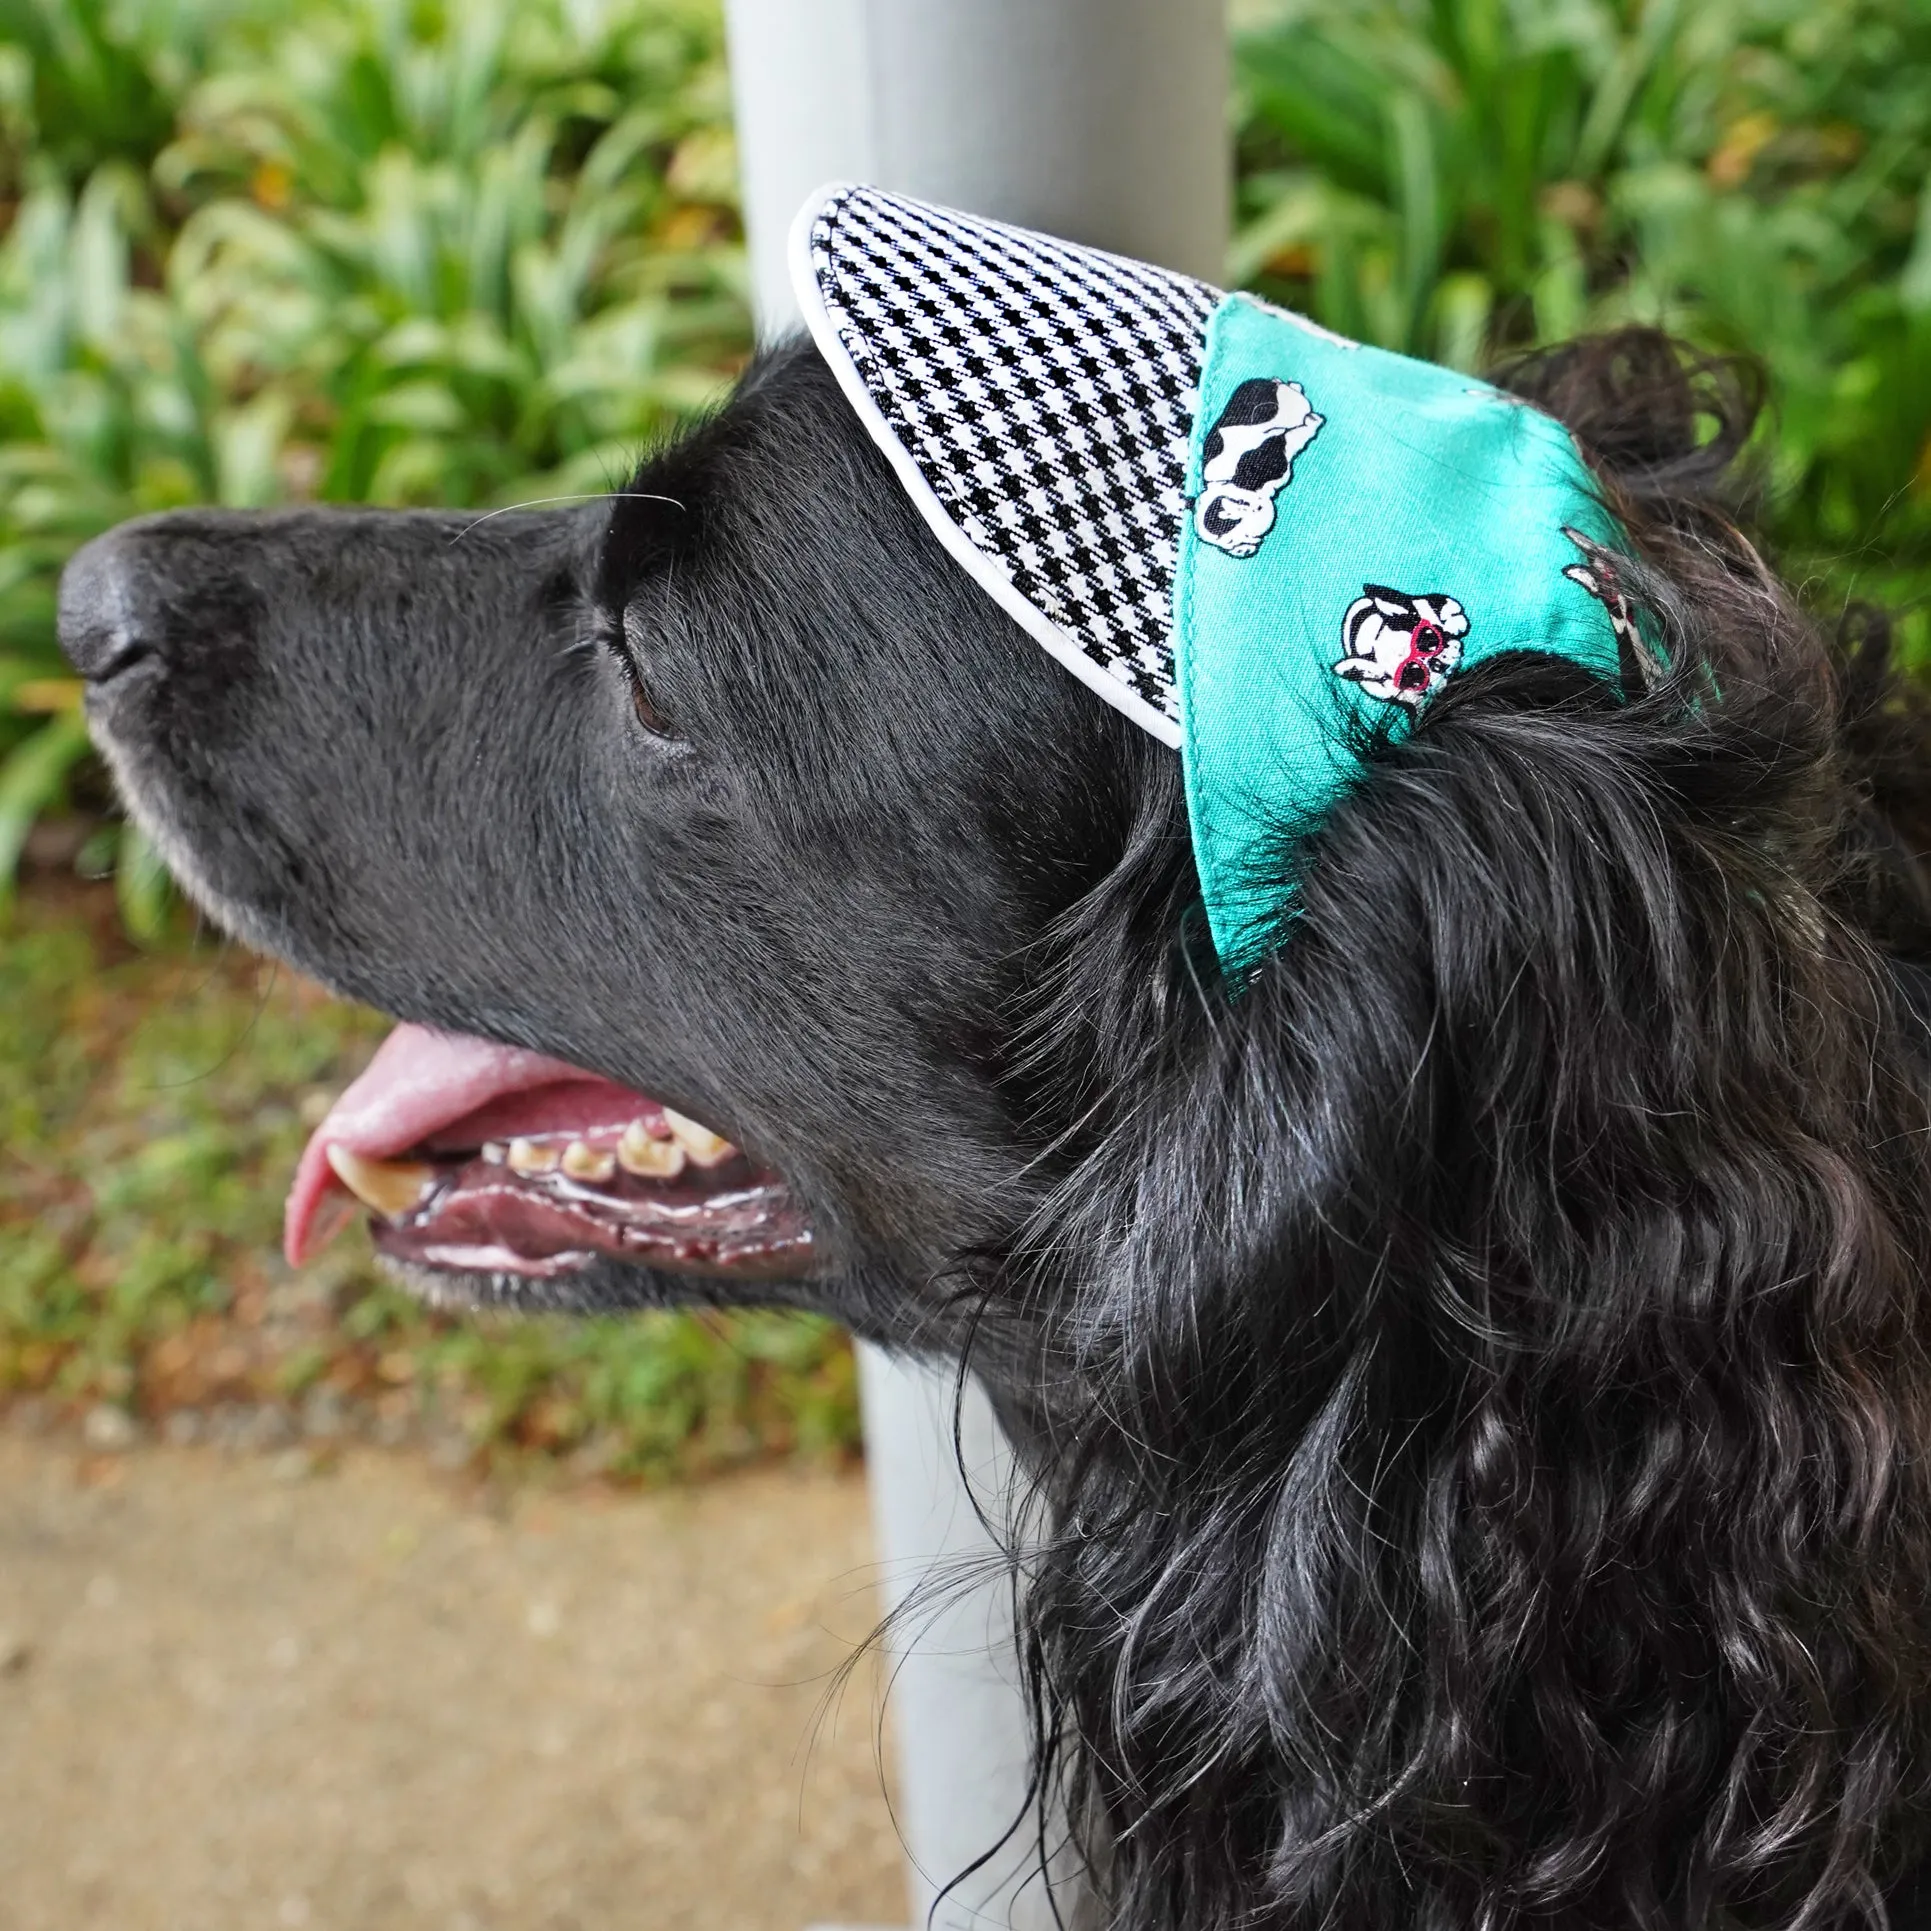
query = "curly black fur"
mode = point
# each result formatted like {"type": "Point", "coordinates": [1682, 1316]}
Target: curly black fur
{"type": "Point", "coordinates": [1488, 1375]}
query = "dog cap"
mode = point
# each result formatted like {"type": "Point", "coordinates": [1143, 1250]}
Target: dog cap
{"type": "Point", "coordinates": [1261, 542]}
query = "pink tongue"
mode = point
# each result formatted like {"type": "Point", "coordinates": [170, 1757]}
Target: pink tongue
{"type": "Point", "coordinates": [418, 1083]}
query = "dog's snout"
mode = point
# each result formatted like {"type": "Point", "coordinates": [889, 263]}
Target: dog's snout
{"type": "Point", "coordinates": [103, 627]}
{"type": "Point", "coordinates": [174, 594]}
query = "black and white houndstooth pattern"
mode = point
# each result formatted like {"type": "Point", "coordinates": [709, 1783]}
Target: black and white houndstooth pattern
{"type": "Point", "coordinates": [1045, 393]}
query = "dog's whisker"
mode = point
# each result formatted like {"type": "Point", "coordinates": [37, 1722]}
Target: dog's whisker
{"type": "Point", "coordinates": [576, 496]}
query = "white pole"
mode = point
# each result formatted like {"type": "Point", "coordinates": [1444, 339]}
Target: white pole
{"type": "Point", "coordinates": [1104, 121]}
{"type": "Point", "coordinates": [958, 1722]}
{"type": "Point", "coordinates": [1101, 120]}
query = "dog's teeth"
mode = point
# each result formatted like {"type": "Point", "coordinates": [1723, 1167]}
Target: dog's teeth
{"type": "Point", "coordinates": [388, 1187]}
{"type": "Point", "coordinates": [642, 1153]}
{"type": "Point", "coordinates": [706, 1148]}
{"type": "Point", "coordinates": [529, 1157]}
{"type": "Point", "coordinates": [582, 1161]}
{"type": "Point", "coordinates": [495, 1152]}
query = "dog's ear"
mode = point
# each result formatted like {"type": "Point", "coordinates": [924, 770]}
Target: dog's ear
{"type": "Point", "coordinates": [1493, 1371]}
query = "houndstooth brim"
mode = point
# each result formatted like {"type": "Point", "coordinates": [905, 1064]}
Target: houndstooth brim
{"type": "Point", "coordinates": [1036, 399]}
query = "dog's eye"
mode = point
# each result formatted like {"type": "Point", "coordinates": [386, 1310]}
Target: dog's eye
{"type": "Point", "coordinates": [649, 715]}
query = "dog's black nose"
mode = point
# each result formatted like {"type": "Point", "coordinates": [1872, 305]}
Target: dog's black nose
{"type": "Point", "coordinates": [167, 611]}
{"type": "Point", "coordinates": [103, 627]}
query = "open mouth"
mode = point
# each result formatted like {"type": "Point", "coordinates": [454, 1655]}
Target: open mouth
{"type": "Point", "coordinates": [479, 1158]}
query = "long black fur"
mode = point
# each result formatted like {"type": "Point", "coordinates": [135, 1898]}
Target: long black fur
{"type": "Point", "coordinates": [1471, 1371]}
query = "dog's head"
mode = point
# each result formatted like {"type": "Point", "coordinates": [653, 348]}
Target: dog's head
{"type": "Point", "coordinates": [1472, 1360]}
{"type": "Point", "coordinates": [728, 796]}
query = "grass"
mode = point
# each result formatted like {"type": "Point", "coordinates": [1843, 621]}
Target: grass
{"type": "Point", "coordinates": [152, 1108]}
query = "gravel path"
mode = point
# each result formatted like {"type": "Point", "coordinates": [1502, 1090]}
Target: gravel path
{"type": "Point", "coordinates": [235, 1696]}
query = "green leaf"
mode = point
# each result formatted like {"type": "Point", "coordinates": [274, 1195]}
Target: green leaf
{"type": "Point", "coordinates": [141, 886]}
{"type": "Point", "coordinates": [32, 778]}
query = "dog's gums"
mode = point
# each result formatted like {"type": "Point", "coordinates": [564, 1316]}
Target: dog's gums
{"type": "Point", "coordinates": [480, 1213]}
{"type": "Point", "coordinates": [484, 1158]}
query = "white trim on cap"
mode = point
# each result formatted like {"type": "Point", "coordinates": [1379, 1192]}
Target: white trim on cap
{"type": "Point", "coordinates": [983, 569]}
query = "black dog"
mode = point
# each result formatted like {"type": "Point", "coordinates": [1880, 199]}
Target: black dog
{"type": "Point", "coordinates": [1474, 1371]}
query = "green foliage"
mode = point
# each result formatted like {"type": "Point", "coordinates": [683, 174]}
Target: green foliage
{"type": "Point", "coordinates": [481, 264]}
{"type": "Point", "coordinates": [86, 81]}
{"type": "Point", "coordinates": [380, 252]}
{"type": "Point", "coordinates": [1457, 178]}
{"type": "Point", "coordinates": [152, 1109]}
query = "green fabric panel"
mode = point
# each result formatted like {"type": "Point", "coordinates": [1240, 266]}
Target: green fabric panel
{"type": "Point", "coordinates": [1417, 481]}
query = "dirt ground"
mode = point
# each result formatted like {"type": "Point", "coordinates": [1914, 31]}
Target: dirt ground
{"type": "Point", "coordinates": [234, 1694]}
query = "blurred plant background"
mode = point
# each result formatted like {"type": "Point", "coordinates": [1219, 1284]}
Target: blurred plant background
{"type": "Point", "coordinates": [1458, 178]}
{"type": "Point", "coordinates": [473, 252]}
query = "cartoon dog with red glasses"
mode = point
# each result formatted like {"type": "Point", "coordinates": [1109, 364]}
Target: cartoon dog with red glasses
{"type": "Point", "coordinates": [1400, 648]}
